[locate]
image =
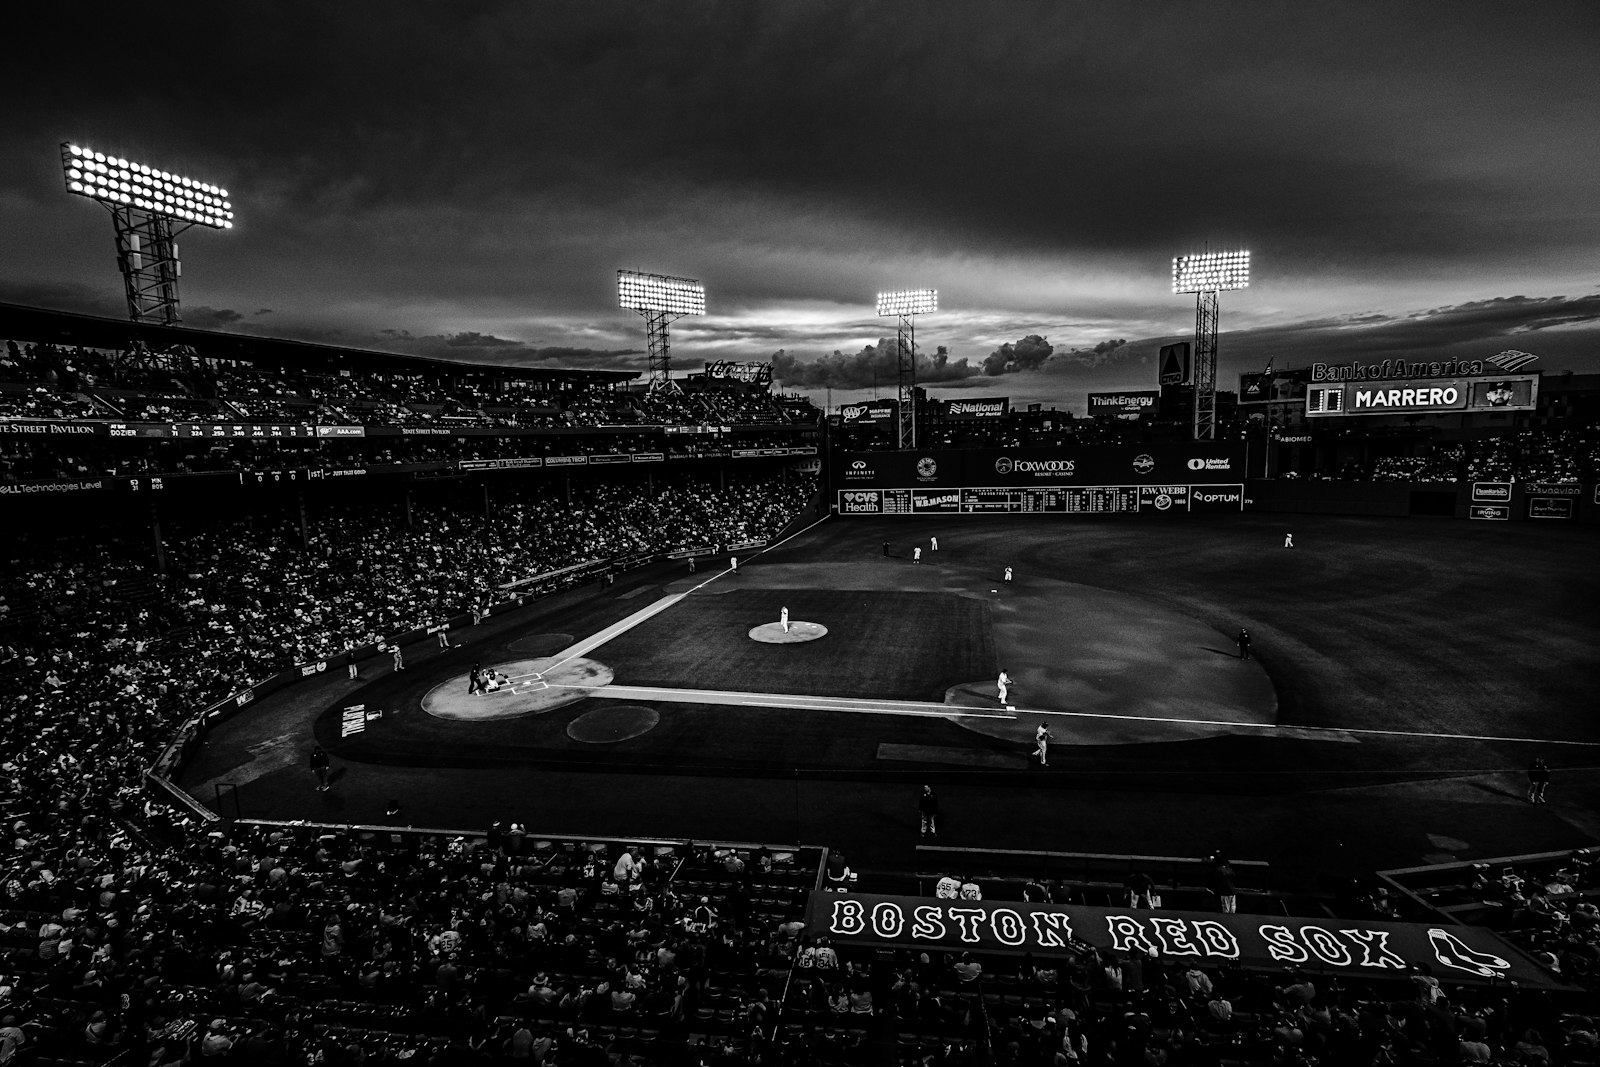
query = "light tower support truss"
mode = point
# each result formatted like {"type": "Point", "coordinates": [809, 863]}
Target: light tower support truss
{"type": "Point", "coordinates": [1205, 366]}
{"type": "Point", "coordinates": [1206, 275]}
{"type": "Point", "coordinates": [661, 299]}
{"type": "Point", "coordinates": [147, 256]}
{"type": "Point", "coordinates": [149, 208]}
{"type": "Point", "coordinates": [905, 306]}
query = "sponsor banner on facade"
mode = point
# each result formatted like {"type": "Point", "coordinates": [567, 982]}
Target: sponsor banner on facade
{"type": "Point", "coordinates": [341, 431]}
{"type": "Point", "coordinates": [861, 502]}
{"type": "Point", "coordinates": [983, 407]}
{"type": "Point", "coordinates": [1355, 947]}
{"type": "Point", "coordinates": [1267, 387]}
{"type": "Point", "coordinates": [51, 428]}
{"type": "Point", "coordinates": [696, 550]}
{"type": "Point", "coordinates": [745, 546]}
{"type": "Point", "coordinates": [1217, 498]}
{"type": "Point", "coordinates": [935, 501]}
{"type": "Point", "coordinates": [1553, 488]}
{"type": "Point", "coordinates": [565, 461]}
{"type": "Point", "coordinates": [1172, 364]}
{"type": "Point", "coordinates": [648, 457]}
{"type": "Point", "coordinates": [1519, 392]}
{"type": "Point", "coordinates": [749, 373]}
{"type": "Point", "coordinates": [1165, 464]}
{"type": "Point", "coordinates": [500, 464]}
{"type": "Point", "coordinates": [869, 412]}
{"type": "Point", "coordinates": [1550, 507]}
{"type": "Point", "coordinates": [1389, 369]}
{"type": "Point", "coordinates": [51, 488]}
{"type": "Point", "coordinates": [1491, 491]}
{"type": "Point", "coordinates": [606, 459]}
{"type": "Point", "coordinates": [1124, 405]}
{"type": "Point", "coordinates": [1491, 512]}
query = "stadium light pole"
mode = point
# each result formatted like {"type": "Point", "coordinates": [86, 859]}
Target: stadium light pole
{"type": "Point", "coordinates": [661, 299]}
{"type": "Point", "coordinates": [906, 305]}
{"type": "Point", "coordinates": [149, 208]}
{"type": "Point", "coordinates": [1206, 275]}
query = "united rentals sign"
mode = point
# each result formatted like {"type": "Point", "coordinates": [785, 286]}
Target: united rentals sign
{"type": "Point", "coordinates": [1359, 947]}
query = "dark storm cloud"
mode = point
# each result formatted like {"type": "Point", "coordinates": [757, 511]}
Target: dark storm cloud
{"type": "Point", "coordinates": [474, 339]}
{"type": "Point", "coordinates": [209, 318]}
{"type": "Point", "coordinates": [67, 296]}
{"type": "Point", "coordinates": [874, 365]}
{"type": "Point", "coordinates": [1010, 358]}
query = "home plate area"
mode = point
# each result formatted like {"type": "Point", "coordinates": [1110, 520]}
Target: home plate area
{"type": "Point", "coordinates": [531, 686]}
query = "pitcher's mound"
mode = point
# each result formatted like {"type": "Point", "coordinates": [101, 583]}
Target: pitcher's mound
{"type": "Point", "coordinates": [618, 722]}
{"type": "Point", "coordinates": [534, 685]}
{"type": "Point", "coordinates": [772, 633]}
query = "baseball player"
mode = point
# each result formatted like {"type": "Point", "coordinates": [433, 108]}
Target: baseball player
{"type": "Point", "coordinates": [916, 554]}
{"type": "Point", "coordinates": [783, 619]}
{"type": "Point", "coordinates": [1003, 685]}
{"type": "Point", "coordinates": [1041, 737]}
{"type": "Point", "coordinates": [1008, 575]}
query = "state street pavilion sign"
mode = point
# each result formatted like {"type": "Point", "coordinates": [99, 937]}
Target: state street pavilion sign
{"type": "Point", "coordinates": [1359, 947]}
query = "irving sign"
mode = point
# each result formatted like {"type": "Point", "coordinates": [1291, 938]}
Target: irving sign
{"type": "Point", "coordinates": [1459, 953]}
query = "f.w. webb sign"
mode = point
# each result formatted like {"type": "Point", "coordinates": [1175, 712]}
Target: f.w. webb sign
{"type": "Point", "coordinates": [1455, 953]}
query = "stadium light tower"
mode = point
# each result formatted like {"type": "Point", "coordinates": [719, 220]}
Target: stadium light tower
{"type": "Point", "coordinates": [1206, 275]}
{"type": "Point", "coordinates": [906, 305]}
{"type": "Point", "coordinates": [660, 298]}
{"type": "Point", "coordinates": [149, 207]}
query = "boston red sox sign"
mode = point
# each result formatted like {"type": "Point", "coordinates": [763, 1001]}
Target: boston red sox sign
{"type": "Point", "coordinates": [1453, 953]}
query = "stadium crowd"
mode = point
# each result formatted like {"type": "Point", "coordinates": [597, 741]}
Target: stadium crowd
{"type": "Point", "coordinates": [42, 380]}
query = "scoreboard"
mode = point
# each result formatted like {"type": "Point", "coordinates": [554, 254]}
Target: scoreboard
{"type": "Point", "coordinates": [1054, 500]}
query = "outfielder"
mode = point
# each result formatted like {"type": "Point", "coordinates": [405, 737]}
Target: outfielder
{"type": "Point", "coordinates": [783, 619]}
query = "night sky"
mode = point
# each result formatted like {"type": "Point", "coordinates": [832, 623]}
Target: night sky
{"type": "Point", "coordinates": [463, 179]}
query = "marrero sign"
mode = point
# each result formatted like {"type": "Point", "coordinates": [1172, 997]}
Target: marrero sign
{"type": "Point", "coordinates": [1459, 953]}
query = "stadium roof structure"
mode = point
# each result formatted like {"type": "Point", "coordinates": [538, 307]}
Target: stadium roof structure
{"type": "Point", "coordinates": [20, 322]}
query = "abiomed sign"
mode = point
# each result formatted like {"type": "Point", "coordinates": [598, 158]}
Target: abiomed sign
{"type": "Point", "coordinates": [1459, 953]}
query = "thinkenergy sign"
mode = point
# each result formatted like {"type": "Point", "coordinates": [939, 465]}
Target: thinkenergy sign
{"type": "Point", "coordinates": [1455, 953]}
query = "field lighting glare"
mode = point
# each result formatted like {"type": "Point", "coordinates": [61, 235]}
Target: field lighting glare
{"type": "Point", "coordinates": [660, 292]}
{"type": "Point", "coordinates": [1210, 272]}
{"type": "Point", "coordinates": [908, 302]}
{"type": "Point", "coordinates": [118, 182]}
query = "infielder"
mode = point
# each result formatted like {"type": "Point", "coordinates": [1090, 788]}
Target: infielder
{"type": "Point", "coordinates": [1008, 575]}
{"type": "Point", "coordinates": [783, 619]}
{"type": "Point", "coordinates": [1288, 540]}
{"type": "Point", "coordinates": [1003, 685]}
{"type": "Point", "coordinates": [916, 554]}
{"type": "Point", "coordinates": [1041, 737]}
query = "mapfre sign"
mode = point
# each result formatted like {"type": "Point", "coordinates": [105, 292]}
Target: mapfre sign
{"type": "Point", "coordinates": [1456, 953]}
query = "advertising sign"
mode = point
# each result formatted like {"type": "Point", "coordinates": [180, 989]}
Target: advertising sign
{"type": "Point", "coordinates": [987, 407]}
{"type": "Point", "coordinates": [1491, 512]}
{"type": "Point", "coordinates": [1491, 491]}
{"type": "Point", "coordinates": [749, 373]}
{"type": "Point", "coordinates": [1156, 464]}
{"type": "Point", "coordinates": [1173, 364]}
{"type": "Point", "coordinates": [869, 412]}
{"type": "Point", "coordinates": [1409, 396]}
{"type": "Point", "coordinates": [1354, 947]}
{"type": "Point", "coordinates": [1549, 507]}
{"type": "Point", "coordinates": [1141, 405]}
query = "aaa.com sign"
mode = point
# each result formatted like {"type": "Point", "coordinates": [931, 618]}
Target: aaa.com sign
{"type": "Point", "coordinates": [1460, 953]}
